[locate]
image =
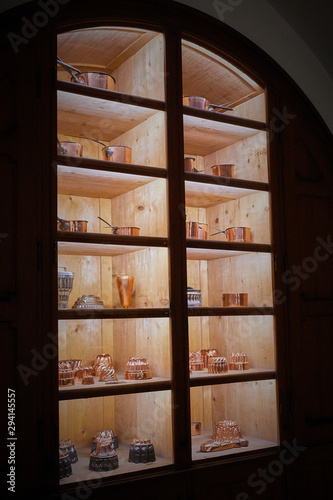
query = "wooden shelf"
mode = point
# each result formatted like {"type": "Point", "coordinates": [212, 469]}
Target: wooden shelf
{"type": "Point", "coordinates": [198, 379]}
{"type": "Point", "coordinates": [93, 178]}
{"type": "Point", "coordinates": [83, 109]}
{"type": "Point", "coordinates": [206, 132]}
{"type": "Point", "coordinates": [210, 249]}
{"type": "Point", "coordinates": [74, 243]}
{"type": "Point", "coordinates": [230, 311]}
{"type": "Point", "coordinates": [78, 314]}
{"type": "Point", "coordinates": [123, 386]}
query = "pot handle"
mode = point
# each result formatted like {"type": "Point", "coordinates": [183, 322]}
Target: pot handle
{"type": "Point", "coordinates": [108, 152]}
{"type": "Point", "coordinates": [220, 106]}
{"type": "Point", "coordinates": [218, 231]}
{"type": "Point", "coordinates": [115, 229]}
{"type": "Point", "coordinates": [69, 69]}
{"type": "Point", "coordinates": [61, 149]}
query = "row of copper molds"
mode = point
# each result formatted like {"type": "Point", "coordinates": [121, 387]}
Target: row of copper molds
{"type": "Point", "coordinates": [208, 358]}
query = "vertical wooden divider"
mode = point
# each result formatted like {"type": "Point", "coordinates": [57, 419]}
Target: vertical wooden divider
{"type": "Point", "coordinates": [177, 251]}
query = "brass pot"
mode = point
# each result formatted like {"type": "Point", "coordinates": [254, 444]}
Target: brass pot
{"type": "Point", "coordinates": [196, 230]}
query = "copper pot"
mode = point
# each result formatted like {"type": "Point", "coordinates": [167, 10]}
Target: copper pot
{"type": "Point", "coordinates": [95, 79]}
{"type": "Point", "coordinates": [123, 230]}
{"type": "Point", "coordinates": [189, 164]}
{"type": "Point", "coordinates": [202, 103]}
{"type": "Point", "coordinates": [72, 225]}
{"type": "Point", "coordinates": [196, 230]}
{"type": "Point", "coordinates": [70, 148]}
{"type": "Point", "coordinates": [120, 154]}
{"type": "Point", "coordinates": [235, 299]}
{"type": "Point", "coordinates": [242, 234]}
{"type": "Point", "coordinates": [224, 170]}
{"type": "Point", "coordinates": [195, 428]}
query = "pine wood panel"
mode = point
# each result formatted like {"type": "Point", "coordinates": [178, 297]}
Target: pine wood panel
{"type": "Point", "coordinates": [253, 109]}
{"type": "Point", "coordinates": [144, 207]}
{"type": "Point", "coordinates": [151, 282]}
{"type": "Point", "coordinates": [143, 73]}
{"type": "Point", "coordinates": [80, 208]}
{"type": "Point", "coordinates": [250, 273]}
{"type": "Point", "coordinates": [207, 195]}
{"type": "Point", "coordinates": [248, 155]}
{"type": "Point", "coordinates": [251, 404]}
{"type": "Point", "coordinates": [249, 211]}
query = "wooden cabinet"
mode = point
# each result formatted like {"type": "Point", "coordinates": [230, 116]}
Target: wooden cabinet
{"type": "Point", "coordinates": [135, 114]}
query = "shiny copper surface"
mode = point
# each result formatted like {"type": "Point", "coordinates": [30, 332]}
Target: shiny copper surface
{"type": "Point", "coordinates": [125, 285]}
{"type": "Point", "coordinates": [235, 299]}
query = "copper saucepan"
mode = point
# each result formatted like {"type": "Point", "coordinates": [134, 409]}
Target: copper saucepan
{"type": "Point", "coordinates": [223, 170]}
{"type": "Point", "coordinates": [234, 299]}
{"type": "Point", "coordinates": [123, 230]}
{"type": "Point", "coordinates": [202, 103]}
{"type": "Point", "coordinates": [235, 233]}
{"type": "Point", "coordinates": [72, 225]}
{"type": "Point", "coordinates": [196, 230]}
{"type": "Point", "coordinates": [121, 154]}
{"type": "Point", "coordinates": [69, 148]}
{"type": "Point", "coordinates": [96, 79]}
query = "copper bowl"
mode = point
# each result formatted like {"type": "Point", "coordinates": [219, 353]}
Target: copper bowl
{"type": "Point", "coordinates": [235, 299]}
{"type": "Point", "coordinates": [196, 230]}
{"type": "Point", "coordinates": [96, 79]}
{"type": "Point", "coordinates": [195, 428]}
{"type": "Point", "coordinates": [120, 154]}
{"type": "Point", "coordinates": [70, 148]}
{"type": "Point", "coordinates": [224, 170]}
{"type": "Point", "coordinates": [72, 225]}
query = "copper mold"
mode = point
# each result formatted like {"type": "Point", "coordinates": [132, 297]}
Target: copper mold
{"type": "Point", "coordinates": [137, 368]}
{"type": "Point", "coordinates": [194, 298]}
{"type": "Point", "coordinates": [206, 354]}
{"type": "Point", "coordinates": [65, 466]}
{"type": "Point", "coordinates": [65, 286]}
{"type": "Point", "coordinates": [217, 364]}
{"type": "Point", "coordinates": [125, 285]}
{"type": "Point", "coordinates": [88, 302]}
{"type": "Point", "coordinates": [238, 361]}
{"type": "Point", "coordinates": [195, 428]}
{"type": "Point", "coordinates": [196, 361]}
{"type": "Point", "coordinates": [141, 451]}
{"type": "Point", "coordinates": [69, 447]}
{"type": "Point", "coordinates": [226, 435]}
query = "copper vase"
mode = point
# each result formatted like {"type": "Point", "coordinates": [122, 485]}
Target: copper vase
{"type": "Point", "coordinates": [125, 289]}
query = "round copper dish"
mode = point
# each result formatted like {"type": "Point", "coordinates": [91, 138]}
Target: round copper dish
{"type": "Point", "coordinates": [120, 154]}
{"type": "Point", "coordinates": [72, 225]}
{"type": "Point", "coordinates": [70, 148]}
{"type": "Point", "coordinates": [195, 428]}
{"type": "Point", "coordinates": [223, 170]}
{"type": "Point", "coordinates": [196, 230]}
{"type": "Point", "coordinates": [137, 368]}
{"type": "Point", "coordinates": [235, 299]}
{"type": "Point", "coordinates": [96, 79]}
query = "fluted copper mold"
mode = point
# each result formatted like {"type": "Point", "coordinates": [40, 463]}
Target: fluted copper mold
{"type": "Point", "coordinates": [137, 368]}
{"type": "Point", "coordinates": [125, 285]}
{"type": "Point", "coordinates": [226, 435]}
{"type": "Point", "coordinates": [103, 458]}
{"type": "Point", "coordinates": [217, 364]}
{"type": "Point", "coordinates": [66, 374]}
{"type": "Point", "coordinates": [101, 361]}
{"type": "Point", "coordinates": [105, 434]}
{"type": "Point", "coordinates": [141, 451]}
{"type": "Point", "coordinates": [65, 466]}
{"type": "Point", "coordinates": [107, 373]}
{"type": "Point", "coordinates": [206, 353]}
{"type": "Point", "coordinates": [238, 361]}
{"type": "Point", "coordinates": [69, 447]}
{"type": "Point", "coordinates": [196, 361]}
